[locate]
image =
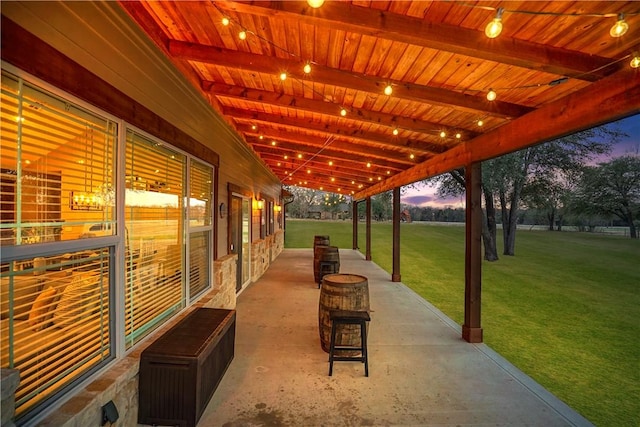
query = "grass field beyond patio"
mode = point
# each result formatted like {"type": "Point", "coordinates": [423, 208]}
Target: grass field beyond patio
{"type": "Point", "coordinates": [565, 309]}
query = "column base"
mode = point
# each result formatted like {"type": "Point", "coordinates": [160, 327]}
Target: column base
{"type": "Point", "coordinates": [395, 278]}
{"type": "Point", "coordinates": [471, 335]}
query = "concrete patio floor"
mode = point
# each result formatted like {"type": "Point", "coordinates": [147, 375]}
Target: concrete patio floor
{"type": "Point", "coordinates": [421, 372]}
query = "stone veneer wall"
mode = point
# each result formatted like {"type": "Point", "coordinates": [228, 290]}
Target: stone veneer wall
{"type": "Point", "coordinates": [265, 251]}
{"type": "Point", "coordinates": [120, 382]}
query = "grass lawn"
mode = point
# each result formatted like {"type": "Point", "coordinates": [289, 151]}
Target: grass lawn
{"type": "Point", "coordinates": [565, 309]}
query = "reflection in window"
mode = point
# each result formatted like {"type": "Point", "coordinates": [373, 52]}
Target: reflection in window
{"type": "Point", "coordinates": [153, 223]}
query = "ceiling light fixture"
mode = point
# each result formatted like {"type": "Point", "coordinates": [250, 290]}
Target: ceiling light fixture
{"type": "Point", "coordinates": [494, 28]}
{"type": "Point", "coordinates": [620, 27]}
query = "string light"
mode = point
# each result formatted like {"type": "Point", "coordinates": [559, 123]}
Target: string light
{"type": "Point", "coordinates": [395, 131]}
{"type": "Point", "coordinates": [315, 3]}
{"type": "Point", "coordinates": [307, 68]}
{"type": "Point", "coordinates": [443, 134]}
{"type": "Point", "coordinates": [494, 28]}
{"type": "Point", "coordinates": [388, 90]}
{"type": "Point", "coordinates": [458, 135]}
{"type": "Point", "coordinates": [635, 60]}
{"type": "Point", "coordinates": [283, 76]}
{"type": "Point", "coordinates": [273, 143]}
{"type": "Point", "coordinates": [412, 156]}
{"type": "Point", "coordinates": [480, 123]}
{"type": "Point", "coordinates": [242, 35]}
{"type": "Point", "coordinates": [225, 21]}
{"type": "Point", "coordinates": [620, 27]}
{"type": "Point", "coordinates": [343, 112]}
{"type": "Point", "coordinates": [491, 95]}
{"type": "Point", "coordinates": [368, 164]}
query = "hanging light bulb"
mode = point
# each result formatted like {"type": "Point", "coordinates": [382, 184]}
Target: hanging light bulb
{"type": "Point", "coordinates": [443, 134]}
{"type": "Point", "coordinates": [307, 68]}
{"type": "Point", "coordinates": [620, 27]}
{"type": "Point", "coordinates": [395, 131]}
{"type": "Point", "coordinates": [491, 95]}
{"type": "Point", "coordinates": [242, 35]}
{"type": "Point", "coordinates": [388, 90]}
{"type": "Point", "coordinates": [458, 135]}
{"type": "Point", "coordinates": [411, 156]}
{"type": "Point", "coordinates": [480, 123]}
{"type": "Point", "coordinates": [315, 3]}
{"type": "Point", "coordinates": [225, 21]}
{"type": "Point", "coordinates": [494, 28]}
{"type": "Point", "coordinates": [283, 76]}
{"type": "Point", "coordinates": [635, 60]}
{"type": "Point", "coordinates": [343, 112]}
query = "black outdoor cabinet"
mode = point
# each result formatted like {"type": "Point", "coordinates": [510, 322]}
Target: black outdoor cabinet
{"type": "Point", "coordinates": [180, 371]}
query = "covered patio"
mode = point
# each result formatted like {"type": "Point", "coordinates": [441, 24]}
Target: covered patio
{"type": "Point", "coordinates": [421, 372]}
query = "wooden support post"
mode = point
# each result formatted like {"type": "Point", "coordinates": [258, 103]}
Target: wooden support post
{"type": "Point", "coordinates": [354, 208]}
{"type": "Point", "coordinates": [395, 274]}
{"type": "Point", "coordinates": [368, 215]}
{"type": "Point", "coordinates": [471, 329]}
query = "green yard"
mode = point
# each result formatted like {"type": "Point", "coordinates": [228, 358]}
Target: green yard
{"type": "Point", "coordinates": [565, 309]}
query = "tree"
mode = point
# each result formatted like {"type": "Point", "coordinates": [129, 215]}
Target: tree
{"type": "Point", "coordinates": [304, 198]}
{"type": "Point", "coordinates": [382, 206]}
{"type": "Point", "coordinates": [612, 189]}
{"type": "Point", "coordinates": [504, 179]}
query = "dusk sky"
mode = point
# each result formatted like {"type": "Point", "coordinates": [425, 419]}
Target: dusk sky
{"type": "Point", "coordinates": [425, 196]}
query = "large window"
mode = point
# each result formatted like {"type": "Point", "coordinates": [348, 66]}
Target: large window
{"type": "Point", "coordinates": [153, 234]}
{"type": "Point", "coordinates": [79, 206]}
{"type": "Point", "coordinates": [58, 196]}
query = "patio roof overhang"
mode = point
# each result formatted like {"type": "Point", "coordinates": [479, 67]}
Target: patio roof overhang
{"type": "Point", "coordinates": [555, 69]}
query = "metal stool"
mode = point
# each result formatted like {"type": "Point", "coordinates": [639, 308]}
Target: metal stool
{"type": "Point", "coordinates": [326, 267]}
{"type": "Point", "coordinates": [346, 317]}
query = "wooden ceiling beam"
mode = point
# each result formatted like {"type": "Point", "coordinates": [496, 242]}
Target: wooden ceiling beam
{"type": "Point", "coordinates": [319, 107]}
{"type": "Point", "coordinates": [321, 173]}
{"type": "Point", "coordinates": [610, 99]}
{"type": "Point", "coordinates": [339, 142]}
{"type": "Point", "coordinates": [402, 90]}
{"type": "Point", "coordinates": [345, 168]}
{"type": "Point", "coordinates": [421, 32]}
{"type": "Point", "coordinates": [414, 145]}
{"type": "Point", "coordinates": [311, 149]}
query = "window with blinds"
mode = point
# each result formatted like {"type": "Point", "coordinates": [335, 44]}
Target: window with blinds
{"type": "Point", "coordinates": [56, 168]}
{"type": "Point", "coordinates": [55, 320]}
{"type": "Point", "coordinates": [154, 224]}
{"type": "Point", "coordinates": [56, 186]}
{"type": "Point", "coordinates": [200, 231]}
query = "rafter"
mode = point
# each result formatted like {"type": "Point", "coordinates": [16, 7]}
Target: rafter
{"type": "Point", "coordinates": [300, 103]}
{"type": "Point", "coordinates": [607, 100]}
{"type": "Point", "coordinates": [315, 146]}
{"type": "Point", "coordinates": [411, 92]}
{"type": "Point", "coordinates": [367, 148]}
{"type": "Point", "coordinates": [432, 35]}
{"type": "Point", "coordinates": [412, 145]}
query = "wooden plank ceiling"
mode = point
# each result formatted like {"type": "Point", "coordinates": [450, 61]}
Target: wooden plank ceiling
{"type": "Point", "coordinates": [334, 128]}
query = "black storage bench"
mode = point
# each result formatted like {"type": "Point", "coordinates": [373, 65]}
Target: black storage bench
{"type": "Point", "coordinates": [180, 371]}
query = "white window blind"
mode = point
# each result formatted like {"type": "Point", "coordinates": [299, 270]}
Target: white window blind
{"type": "Point", "coordinates": [154, 237]}
{"type": "Point", "coordinates": [55, 320]}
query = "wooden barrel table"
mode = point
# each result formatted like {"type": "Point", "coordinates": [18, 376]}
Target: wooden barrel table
{"type": "Point", "coordinates": [342, 292]}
